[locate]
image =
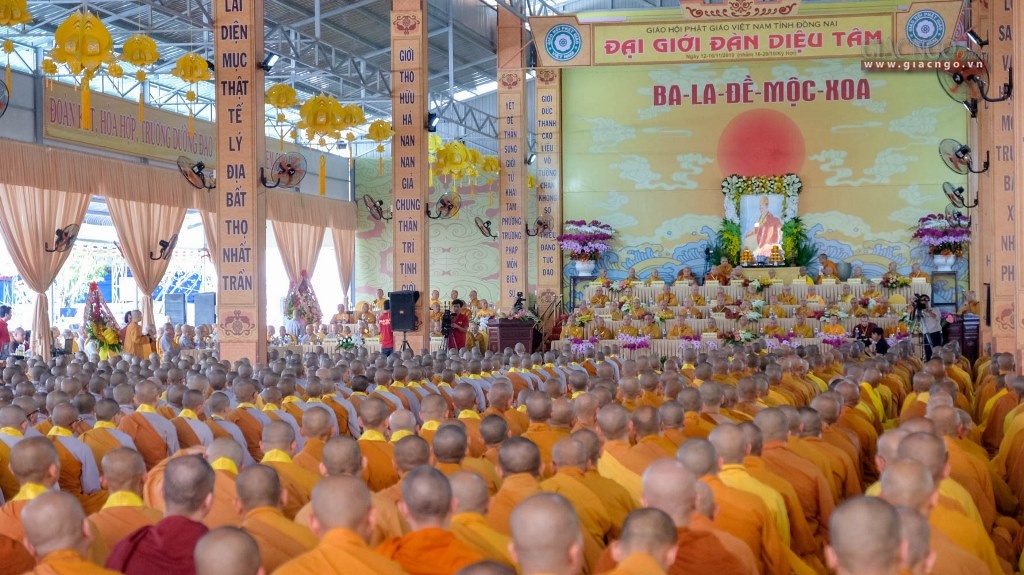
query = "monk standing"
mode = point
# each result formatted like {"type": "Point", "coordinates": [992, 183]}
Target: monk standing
{"type": "Point", "coordinates": [228, 551]}
{"type": "Point", "coordinates": [124, 512]}
{"type": "Point", "coordinates": [343, 521]}
{"type": "Point", "coordinates": [546, 536]}
{"type": "Point", "coordinates": [469, 523]}
{"type": "Point", "coordinates": [168, 546]}
{"type": "Point", "coordinates": [259, 503]}
{"type": "Point", "coordinates": [647, 545]}
{"type": "Point", "coordinates": [57, 534]}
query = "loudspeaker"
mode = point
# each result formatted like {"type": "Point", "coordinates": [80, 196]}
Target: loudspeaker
{"type": "Point", "coordinates": [403, 310]}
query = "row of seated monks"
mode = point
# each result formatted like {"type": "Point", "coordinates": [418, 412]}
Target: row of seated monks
{"type": "Point", "coordinates": [742, 461]}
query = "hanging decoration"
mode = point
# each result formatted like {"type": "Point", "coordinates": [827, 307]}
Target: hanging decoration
{"type": "Point", "coordinates": [322, 120]}
{"type": "Point", "coordinates": [353, 116]}
{"type": "Point", "coordinates": [380, 131]}
{"type": "Point", "coordinates": [12, 13]}
{"type": "Point", "coordinates": [434, 143]}
{"type": "Point", "coordinates": [140, 51]}
{"type": "Point", "coordinates": [83, 44]}
{"type": "Point", "coordinates": [191, 68]}
{"type": "Point", "coordinates": [281, 97]}
{"type": "Point", "coordinates": [50, 69]}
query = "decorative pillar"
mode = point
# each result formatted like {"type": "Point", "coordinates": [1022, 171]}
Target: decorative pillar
{"type": "Point", "coordinates": [1006, 282]}
{"type": "Point", "coordinates": [512, 267]}
{"type": "Point", "coordinates": [411, 251]}
{"type": "Point", "coordinates": [1008, 27]}
{"type": "Point", "coordinates": [241, 206]}
{"type": "Point", "coordinates": [549, 185]}
{"type": "Point", "coordinates": [980, 139]}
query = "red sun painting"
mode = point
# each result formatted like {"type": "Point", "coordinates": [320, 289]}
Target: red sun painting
{"type": "Point", "coordinates": [761, 143]}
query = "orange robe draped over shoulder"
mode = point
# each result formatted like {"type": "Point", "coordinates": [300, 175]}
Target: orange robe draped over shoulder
{"type": "Point", "coordinates": [429, 552]}
{"type": "Point", "coordinates": [279, 538]}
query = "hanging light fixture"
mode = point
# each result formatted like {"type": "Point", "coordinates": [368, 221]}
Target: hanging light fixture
{"type": "Point", "coordinates": [191, 68]}
{"type": "Point", "coordinates": [83, 45]}
{"type": "Point", "coordinates": [140, 51]}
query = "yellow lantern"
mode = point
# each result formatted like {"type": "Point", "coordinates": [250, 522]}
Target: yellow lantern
{"type": "Point", "coordinates": [140, 51]}
{"type": "Point", "coordinates": [14, 12]}
{"type": "Point", "coordinates": [191, 68]}
{"type": "Point", "coordinates": [83, 44]}
{"type": "Point", "coordinates": [50, 69]}
{"type": "Point", "coordinates": [321, 118]}
{"type": "Point", "coordinates": [472, 172]}
{"type": "Point", "coordinates": [114, 70]}
{"type": "Point", "coordinates": [434, 143]}
{"type": "Point", "coordinates": [281, 97]}
{"type": "Point", "coordinates": [380, 131]}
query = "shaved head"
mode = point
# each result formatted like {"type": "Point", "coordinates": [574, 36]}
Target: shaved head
{"type": "Point", "coordinates": [916, 534]}
{"type": "Point", "coordinates": [227, 551]}
{"type": "Point", "coordinates": [927, 450]}
{"type": "Point", "coordinates": [646, 421]}
{"type": "Point", "coordinates": [486, 568]}
{"type": "Point", "coordinates": [470, 492]}
{"type": "Point", "coordinates": [341, 502]}
{"type": "Point", "coordinates": [258, 486]}
{"type": "Point", "coordinates": [427, 496]}
{"type": "Point", "coordinates": [698, 455]}
{"type": "Point", "coordinates": [123, 470]}
{"type": "Point", "coordinates": [865, 537]}
{"type": "Point", "coordinates": [650, 532]}
{"type": "Point", "coordinates": [341, 456]}
{"type": "Point", "coordinates": [54, 521]}
{"type": "Point", "coordinates": [546, 535]}
{"type": "Point", "coordinates": [613, 421]}
{"type": "Point", "coordinates": [316, 422]}
{"type": "Point", "coordinates": [373, 412]}
{"type": "Point", "coordinates": [411, 452]}
{"type": "Point", "coordinates": [450, 444]}
{"type": "Point", "coordinates": [569, 453]}
{"type": "Point", "coordinates": [669, 486]}
{"type": "Point", "coordinates": [188, 485]}
{"type": "Point", "coordinates": [907, 483]}
{"type": "Point", "coordinates": [278, 435]}
{"type": "Point", "coordinates": [773, 423]}
{"type": "Point", "coordinates": [591, 442]}
{"type": "Point", "coordinates": [730, 443]}
{"type": "Point", "coordinates": [519, 455]}
{"type": "Point", "coordinates": [34, 460]}
{"type": "Point", "coordinates": [226, 448]}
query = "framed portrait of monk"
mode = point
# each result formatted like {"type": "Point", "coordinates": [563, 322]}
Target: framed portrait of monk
{"type": "Point", "coordinates": [761, 222]}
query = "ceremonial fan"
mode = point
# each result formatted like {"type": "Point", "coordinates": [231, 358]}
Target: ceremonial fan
{"type": "Point", "coordinates": [376, 209]}
{"type": "Point", "coordinates": [446, 208]}
{"type": "Point", "coordinates": [166, 249]}
{"type": "Point", "coordinates": [957, 157]}
{"type": "Point", "coordinates": [485, 228]}
{"type": "Point", "coordinates": [65, 239]}
{"type": "Point", "coordinates": [195, 173]}
{"type": "Point", "coordinates": [288, 171]}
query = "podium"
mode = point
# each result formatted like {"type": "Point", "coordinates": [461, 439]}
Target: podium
{"type": "Point", "coordinates": [966, 333]}
{"type": "Point", "coordinates": [505, 333]}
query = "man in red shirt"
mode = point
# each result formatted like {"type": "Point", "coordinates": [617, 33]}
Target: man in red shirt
{"type": "Point", "coordinates": [387, 337]}
{"type": "Point", "coordinates": [460, 325]}
{"type": "Point", "coordinates": [5, 335]}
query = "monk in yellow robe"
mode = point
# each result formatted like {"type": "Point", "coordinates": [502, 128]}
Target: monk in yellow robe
{"type": "Point", "coordinates": [539, 407]}
{"type": "Point", "coordinates": [468, 522]}
{"type": "Point", "coordinates": [279, 539]}
{"type": "Point", "coordinates": [36, 466]}
{"type": "Point", "coordinates": [316, 430]}
{"type": "Point", "coordinates": [429, 548]}
{"type": "Point", "coordinates": [135, 342]}
{"type": "Point", "coordinates": [570, 459]}
{"type": "Point", "coordinates": [60, 545]}
{"type": "Point", "coordinates": [379, 453]}
{"type": "Point", "coordinates": [650, 443]}
{"type": "Point", "coordinates": [278, 446]}
{"type": "Point", "coordinates": [616, 499]}
{"type": "Point", "coordinates": [519, 461]}
{"type": "Point", "coordinates": [124, 511]}
{"type": "Point", "coordinates": [341, 519]}
{"type": "Point", "coordinates": [618, 461]}
{"type": "Point", "coordinates": [464, 398]}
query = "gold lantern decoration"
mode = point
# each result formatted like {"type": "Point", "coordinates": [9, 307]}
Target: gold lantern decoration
{"type": "Point", "coordinates": [49, 68]}
{"type": "Point", "coordinates": [351, 117]}
{"type": "Point", "coordinates": [191, 68]}
{"type": "Point", "coordinates": [83, 44]}
{"type": "Point", "coordinates": [140, 51]}
{"type": "Point", "coordinates": [8, 47]}
{"type": "Point", "coordinates": [281, 97]}
{"type": "Point", "coordinates": [434, 143]}
{"type": "Point", "coordinates": [322, 119]}
{"type": "Point", "coordinates": [380, 131]}
{"type": "Point", "coordinates": [12, 13]}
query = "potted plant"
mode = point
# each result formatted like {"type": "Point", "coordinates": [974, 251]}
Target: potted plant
{"type": "Point", "coordinates": [946, 237]}
{"type": "Point", "coordinates": [585, 242]}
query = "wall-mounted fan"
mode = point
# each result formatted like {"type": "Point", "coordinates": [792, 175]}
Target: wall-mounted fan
{"type": "Point", "coordinates": [287, 172]}
{"type": "Point", "coordinates": [376, 209]}
{"type": "Point", "coordinates": [542, 225]}
{"type": "Point", "coordinates": [447, 208]}
{"type": "Point", "coordinates": [485, 228]}
{"type": "Point", "coordinates": [195, 173]}
{"type": "Point", "coordinates": [955, 195]}
{"type": "Point", "coordinates": [65, 239]}
{"type": "Point", "coordinates": [166, 249]}
{"type": "Point", "coordinates": [957, 157]}
{"type": "Point", "coordinates": [5, 98]}
{"type": "Point", "coordinates": [966, 79]}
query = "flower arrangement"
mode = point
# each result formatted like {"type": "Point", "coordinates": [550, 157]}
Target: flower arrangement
{"type": "Point", "coordinates": [585, 241]}
{"type": "Point", "coordinates": [634, 342]}
{"type": "Point", "coordinates": [753, 315]}
{"type": "Point", "coordinates": [664, 315]}
{"type": "Point", "coordinates": [585, 318]}
{"type": "Point", "coordinates": [830, 313]}
{"type": "Point", "coordinates": [944, 235]}
{"type": "Point", "coordinates": [582, 346]}
{"type": "Point", "coordinates": [690, 342]}
{"type": "Point", "coordinates": [346, 343]}
{"type": "Point", "coordinates": [895, 282]}
{"type": "Point", "coordinates": [100, 325]}
{"type": "Point", "coordinates": [896, 337]}
{"type": "Point", "coordinates": [796, 248]}
{"type": "Point", "coordinates": [739, 337]}
{"type": "Point", "coordinates": [832, 340]}
{"type": "Point", "coordinates": [301, 302]}
{"type": "Point", "coordinates": [521, 315]}
{"type": "Point", "coordinates": [782, 340]}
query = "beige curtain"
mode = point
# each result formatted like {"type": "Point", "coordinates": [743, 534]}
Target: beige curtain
{"type": "Point", "coordinates": [38, 197]}
{"type": "Point", "coordinates": [206, 204]}
{"type": "Point", "coordinates": [300, 246]}
{"type": "Point", "coordinates": [345, 256]}
{"type": "Point", "coordinates": [141, 224]}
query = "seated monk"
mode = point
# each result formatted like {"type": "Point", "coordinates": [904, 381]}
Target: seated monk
{"type": "Point", "coordinates": [827, 269]}
{"type": "Point", "coordinates": [689, 310]}
{"type": "Point", "coordinates": [228, 551]}
{"type": "Point", "coordinates": [892, 274]}
{"type": "Point", "coordinates": [737, 277]}
{"type": "Point", "coordinates": [79, 474]}
{"type": "Point", "coordinates": [802, 276]}
{"type": "Point", "coordinates": [278, 445]}
{"type": "Point", "coordinates": [429, 547]}
{"type": "Point", "coordinates": [601, 329]}
{"type": "Point", "coordinates": [654, 279]}
{"type": "Point", "coordinates": [865, 538]}
{"type": "Point", "coordinates": [36, 466]}
{"type": "Point", "coordinates": [787, 297]}
{"type": "Point", "coordinates": [724, 266]}
{"type": "Point", "coordinates": [342, 519]}
{"type": "Point", "coordinates": [546, 536]}
{"type": "Point", "coordinates": [379, 453]}
{"type": "Point", "coordinates": [647, 545]}
{"type": "Point", "coordinates": [520, 463]}
{"type": "Point", "coordinates": [846, 295]}
{"type": "Point", "coordinates": [124, 512]}
{"type": "Point", "coordinates": [58, 535]}
{"type": "Point", "coordinates": [696, 296]}
{"type": "Point", "coordinates": [685, 277]}
{"type": "Point", "coordinates": [716, 274]}
{"type": "Point", "coordinates": [599, 299]}
{"type": "Point", "coordinates": [833, 327]}
{"type": "Point", "coordinates": [279, 539]}
{"type": "Point", "coordinates": [469, 524]}
{"type": "Point", "coordinates": [627, 327]}
{"type": "Point", "coordinates": [775, 308]}
{"type": "Point", "coordinates": [871, 291]}
{"type": "Point", "coordinates": [570, 329]}
{"type": "Point", "coordinates": [667, 297]}
{"type": "Point", "coordinates": [680, 329]}
{"type": "Point", "coordinates": [915, 272]}
{"type": "Point", "coordinates": [772, 328]}
{"type": "Point", "coordinates": [813, 298]}
{"type": "Point", "coordinates": [651, 329]}
{"type": "Point", "coordinates": [169, 545]}
{"type": "Point", "coordinates": [858, 274]}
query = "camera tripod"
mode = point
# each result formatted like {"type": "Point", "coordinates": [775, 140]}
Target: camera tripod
{"type": "Point", "coordinates": [405, 343]}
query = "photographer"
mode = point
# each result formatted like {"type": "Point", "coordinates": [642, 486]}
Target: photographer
{"type": "Point", "coordinates": [931, 328]}
{"type": "Point", "coordinates": [460, 325]}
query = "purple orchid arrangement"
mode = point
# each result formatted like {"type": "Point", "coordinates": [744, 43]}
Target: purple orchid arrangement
{"type": "Point", "coordinates": [943, 234]}
{"type": "Point", "coordinates": [585, 241]}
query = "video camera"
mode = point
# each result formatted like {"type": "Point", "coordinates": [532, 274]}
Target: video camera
{"type": "Point", "coordinates": [446, 322]}
{"type": "Point", "coordinates": [921, 302]}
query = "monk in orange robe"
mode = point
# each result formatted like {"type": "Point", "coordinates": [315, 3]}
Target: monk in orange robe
{"type": "Point", "coordinates": [855, 422]}
{"type": "Point", "coordinates": [79, 474]}
{"type": "Point", "coordinates": [519, 461]}
{"type": "Point", "coordinates": [279, 539]}
{"type": "Point", "coordinates": [342, 521]}
{"type": "Point", "coordinates": [464, 397]}
{"type": "Point", "coordinates": [570, 459]}
{"type": "Point", "coordinates": [154, 437]}
{"type": "Point", "coordinates": [191, 430]}
{"type": "Point", "coordinates": [316, 429]}
{"type": "Point", "coordinates": [379, 453]}
{"type": "Point", "coordinates": [468, 522]}
{"type": "Point", "coordinates": [450, 447]}
{"type": "Point", "coordinates": [618, 461]}
{"type": "Point", "coordinates": [845, 473]}
{"type": "Point", "coordinates": [104, 437]}
{"type": "Point", "coordinates": [60, 545]}
{"type": "Point", "coordinates": [429, 548]}
{"type": "Point", "coordinates": [499, 398]}
{"type": "Point", "coordinates": [278, 446]}
{"type": "Point", "coordinates": [227, 550]}
{"type": "Point", "coordinates": [249, 419]}
{"type": "Point", "coordinates": [650, 443]}
{"type": "Point", "coordinates": [648, 544]}
{"type": "Point", "coordinates": [123, 474]}
{"type": "Point", "coordinates": [36, 466]}
{"type": "Point", "coordinates": [539, 407]}
{"type": "Point", "coordinates": [225, 456]}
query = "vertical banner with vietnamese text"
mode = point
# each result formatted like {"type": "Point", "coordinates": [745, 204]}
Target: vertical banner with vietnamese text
{"type": "Point", "coordinates": [241, 208]}
{"type": "Point", "coordinates": [549, 185]}
{"type": "Point", "coordinates": [1000, 74]}
{"type": "Point", "coordinates": [512, 270]}
{"type": "Point", "coordinates": [409, 152]}
{"type": "Point", "coordinates": [1004, 235]}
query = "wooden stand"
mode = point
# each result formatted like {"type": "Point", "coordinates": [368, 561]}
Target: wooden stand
{"type": "Point", "coordinates": [966, 333]}
{"type": "Point", "coordinates": [508, 332]}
